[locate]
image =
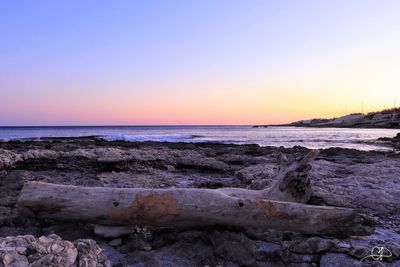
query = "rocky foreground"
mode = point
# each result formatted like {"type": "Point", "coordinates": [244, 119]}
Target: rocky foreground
{"type": "Point", "coordinates": [367, 181]}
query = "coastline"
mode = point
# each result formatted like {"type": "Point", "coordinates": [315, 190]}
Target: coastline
{"type": "Point", "coordinates": [362, 139]}
{"type": "Point", "coordinates": [365, 180]}
{"type": "Point", "coordinates": [384, 119]}
{"type": "Point", "coordinates": [295, 124]}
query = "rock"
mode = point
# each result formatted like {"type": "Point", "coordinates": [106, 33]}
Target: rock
{"type": "Point", "coordinates": [21, 251]}
{"type": "Point", "coordinates": [116, 258]}
{"type": "Point", "coordinates": [142, 259]}
{"type": "Point", "coordinates": [300, 259]}
{"type": "Point", "coordinates": [271, 264]}
{"type": "Point", "coordinates": [116, 242]}
{"type": "Point", "coordinates": [112, 231]}
{"type": "Point", "coordinates": [40, 154]}
{"type": "Point", "coordinates": [145, 246]}
{"type": "Point", "coordinates": [195, 160]}
{"type": "Point", "coordinates": [244, 177]}
{"type": "Point", "coordinates": [180, 254]}
{"type": "Point", "coordinates": [392, 141]}
{"type": "Point", "coordinates": [313, 245]}
{"type": "Point", "coordinates": [267, 251]}
{"type": "Point", "coordinates": [14, 259]}
{"type": "Point", "coordinates": [90, 254]}
{"type": "Point", "coordinates": [338, 260]}
{"type": "Point", "coordinates": [362, 246]}
{"type": "Point", "coordinates": [8, 158]}
{"type": "Point", "coordinates": [235, 247]}
{"type": "Point", "coordinates": [170, 168]}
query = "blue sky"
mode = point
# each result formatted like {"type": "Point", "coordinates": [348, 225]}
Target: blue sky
{"type": "Point", "coordinates": [188, 62]}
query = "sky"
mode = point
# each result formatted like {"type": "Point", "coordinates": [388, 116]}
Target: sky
{"type": "Point", "coordinates": [196, 62]}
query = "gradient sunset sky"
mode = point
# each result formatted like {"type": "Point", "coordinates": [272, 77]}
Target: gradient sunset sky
{"type": "Point", "coordinates": [195, 62]}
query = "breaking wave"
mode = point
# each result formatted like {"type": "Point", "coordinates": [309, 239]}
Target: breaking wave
{"type": "Point", "coordinates": [362, 139]}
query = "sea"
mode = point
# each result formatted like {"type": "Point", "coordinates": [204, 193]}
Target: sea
{"type": "Point", "coordinates": [362, 139]}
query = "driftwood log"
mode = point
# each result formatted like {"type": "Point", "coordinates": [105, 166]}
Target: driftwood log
{"type": "Point", "coordinates": [179, 207]}
{"type": "Point", "coordinates": [292, 183]}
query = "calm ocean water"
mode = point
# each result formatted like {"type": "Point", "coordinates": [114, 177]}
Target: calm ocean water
{"type": "Point", "coordinates": [363, 139]}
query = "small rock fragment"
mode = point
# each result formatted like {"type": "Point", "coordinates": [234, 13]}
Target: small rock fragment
{"type": "Point", "coordinates": [116, 242]}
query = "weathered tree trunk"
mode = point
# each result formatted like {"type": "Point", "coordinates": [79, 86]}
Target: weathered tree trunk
{"type": "Point", "coordinates": [175, 207]}
{"type": "Point", "coordinates": [292, 182]}
{"type": "Point", "coordinates": [182, 208]}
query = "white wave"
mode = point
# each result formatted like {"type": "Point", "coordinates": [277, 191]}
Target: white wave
{"type": "Point", "coordinates": [20, 139]}
{"type": "Point", "coordinates": [143, 138]}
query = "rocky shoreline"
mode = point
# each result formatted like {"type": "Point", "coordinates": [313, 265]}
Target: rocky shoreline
{"type": "Point", "coordinates": [392, 141]}
{"type": "Point", "coordinates": [389, 119]}
{"type": "Point", "coordinates": [367, 181]}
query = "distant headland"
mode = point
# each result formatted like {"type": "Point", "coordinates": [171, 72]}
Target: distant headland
{"type": "Point", "coordinates": [388, 118]}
